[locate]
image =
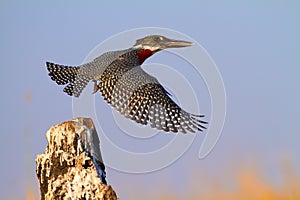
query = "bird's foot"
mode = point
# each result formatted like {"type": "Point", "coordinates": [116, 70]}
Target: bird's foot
{"type": "Point", "coordinates": [96, 87]}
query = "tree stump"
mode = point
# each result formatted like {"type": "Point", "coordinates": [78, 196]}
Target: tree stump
{"type": "Point", "coordinates": [72, 166]}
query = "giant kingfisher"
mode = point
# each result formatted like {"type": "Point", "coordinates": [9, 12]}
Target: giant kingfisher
{"type": "Point", "coordinates": [128, 88]}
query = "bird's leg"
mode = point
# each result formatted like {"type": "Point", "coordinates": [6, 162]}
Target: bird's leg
{"type": "Point", "coordinates": [96, 86]}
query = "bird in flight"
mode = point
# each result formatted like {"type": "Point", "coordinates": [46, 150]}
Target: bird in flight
{"type": "Point", "coordinates": [123, 83]}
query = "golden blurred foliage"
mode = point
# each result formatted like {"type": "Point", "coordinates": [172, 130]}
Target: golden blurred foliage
{"type": "Point", "coordinates": [246, 184]}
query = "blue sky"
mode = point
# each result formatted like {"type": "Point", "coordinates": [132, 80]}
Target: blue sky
{"type": "Point", "coordinates": [255, 46]}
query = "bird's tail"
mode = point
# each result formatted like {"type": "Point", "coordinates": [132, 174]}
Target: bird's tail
{"type": "Point", "coordinates": [63, 75]}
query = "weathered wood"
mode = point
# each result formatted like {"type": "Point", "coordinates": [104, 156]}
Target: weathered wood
{"type": "Point", "coordinates": [72, 166]}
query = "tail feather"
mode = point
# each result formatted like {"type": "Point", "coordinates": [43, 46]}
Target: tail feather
{"type": "Point", "coordinates": [63, 75]}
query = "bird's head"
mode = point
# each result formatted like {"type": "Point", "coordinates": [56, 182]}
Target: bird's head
{"type": "Point", "coordinates": [149, 45]}
{"type": "Point", "coordinates": [158, 42]}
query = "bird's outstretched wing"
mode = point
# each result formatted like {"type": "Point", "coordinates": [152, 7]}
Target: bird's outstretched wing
{"type": "Point", "coordinates": [140, 97]}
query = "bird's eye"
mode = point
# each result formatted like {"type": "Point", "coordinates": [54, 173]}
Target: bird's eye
{"type": "Point", "coordinates": [161, 38]}
{"type": "Point", "coordinates": [157, 39]}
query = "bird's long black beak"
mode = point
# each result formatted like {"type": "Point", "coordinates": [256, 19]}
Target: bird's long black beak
{"type": "Point", "coordinates": [170, 43]}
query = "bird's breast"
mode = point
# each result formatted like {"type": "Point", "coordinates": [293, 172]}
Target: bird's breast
{"type": "Point", "coordinates": [143, 54]}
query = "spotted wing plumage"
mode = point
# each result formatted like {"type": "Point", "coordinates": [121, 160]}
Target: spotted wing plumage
{"type": "Point", "coordinates": [140, 97]}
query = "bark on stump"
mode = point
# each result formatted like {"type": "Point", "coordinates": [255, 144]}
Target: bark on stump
{"type": "Point", "coordinates": [72, 167]}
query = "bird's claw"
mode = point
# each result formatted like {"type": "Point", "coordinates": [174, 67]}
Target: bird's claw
{"type": "Point", "coordinates": [96, 87]}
